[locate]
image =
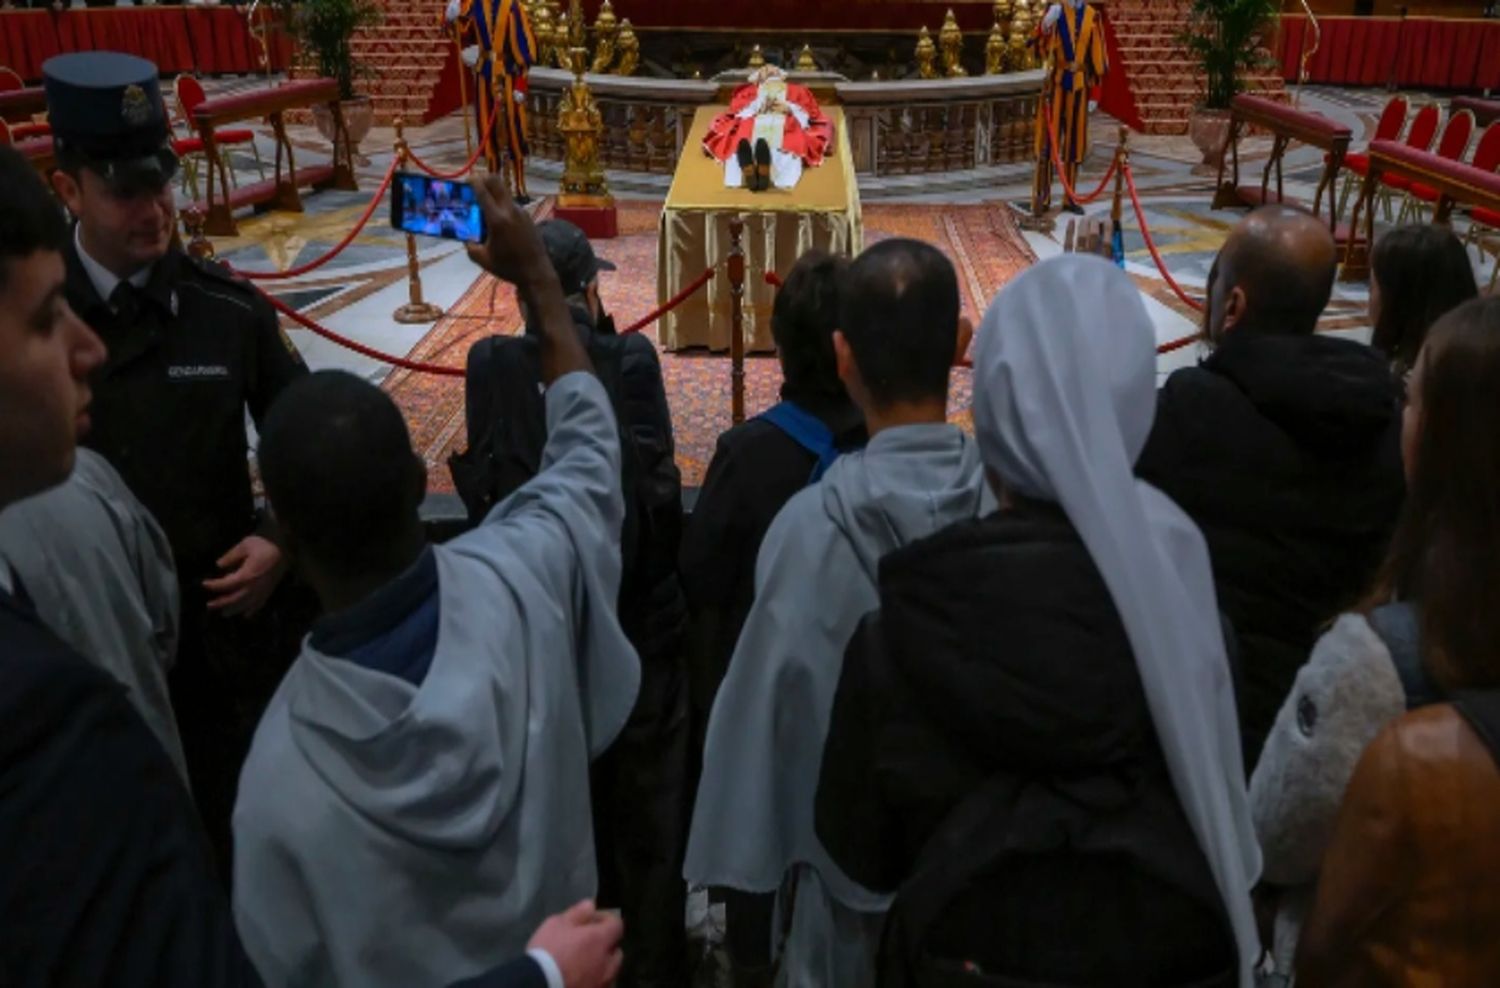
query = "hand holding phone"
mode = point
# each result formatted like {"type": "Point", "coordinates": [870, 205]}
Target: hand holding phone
{"type": "Point", "coordinates": [435, 207]}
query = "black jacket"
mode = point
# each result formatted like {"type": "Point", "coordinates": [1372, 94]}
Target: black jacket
{"type": "Point", "coordinates": [992, 758]}
{"type": "Point", "coordinates": [755, 471]}
{"type": "Point", "coordinates": [105, 875]}
{"type": "Point", "coordinates": [194, 349]}
{"type": "Point", "coordinates": [1286, 450]}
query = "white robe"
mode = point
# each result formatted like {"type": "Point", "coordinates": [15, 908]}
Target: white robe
{"type": "Point", "coordinates": [815, 579]}
{"type": "Point", "coordinates": [786, 168]}
{"type": "Point", "coordinates": [99, 571]}
{"type": "Point", "coordinates": [389, 835]}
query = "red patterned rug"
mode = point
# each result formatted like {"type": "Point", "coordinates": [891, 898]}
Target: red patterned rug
{"type": "Point", "coordinates": [983, 241]}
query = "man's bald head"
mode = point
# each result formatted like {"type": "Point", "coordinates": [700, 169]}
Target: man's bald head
{"type": "Point", "coordinates": [1273, 275]}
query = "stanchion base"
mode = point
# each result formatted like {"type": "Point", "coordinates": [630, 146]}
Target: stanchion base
{"type": "Point", "coordinates": [1045, 223]}
{"type": "Point", "coordinates": [413, 313]}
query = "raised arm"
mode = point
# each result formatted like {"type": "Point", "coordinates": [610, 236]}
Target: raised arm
{"type": "Point", "coordinates": [513, 252]}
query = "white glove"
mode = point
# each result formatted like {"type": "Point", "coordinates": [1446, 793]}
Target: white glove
{"type": "Point", "coordinates": [1049, 19]}
{"type": "Point", "coordinates": [451, 14]}
{"type": "Point", "coordinates": [1093, 105]}
{"type": "Point", "coordinates": [520, 97]}
{"type": "Point", "coordinates": [470, 55]}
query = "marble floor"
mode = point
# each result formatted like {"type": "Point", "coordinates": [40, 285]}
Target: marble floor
{"type": "Point", "coordinates": [357, 292]}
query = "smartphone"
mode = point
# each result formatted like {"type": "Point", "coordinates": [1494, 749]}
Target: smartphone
{"type": "Point", "coordinates": [436, 207]}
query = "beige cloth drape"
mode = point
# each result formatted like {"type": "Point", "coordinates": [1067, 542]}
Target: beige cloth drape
{"type": "Point", "coordinates": [822, 211]}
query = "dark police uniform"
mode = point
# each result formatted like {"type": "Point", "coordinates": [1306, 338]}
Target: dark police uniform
{"type": "Point", "coordinates": [189, 351]}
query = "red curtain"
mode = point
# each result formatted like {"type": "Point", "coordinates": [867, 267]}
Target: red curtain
{"type": "Point", "coordinates": [203, 40]}
{"type": "Point", "coordinates": [1417, 52]}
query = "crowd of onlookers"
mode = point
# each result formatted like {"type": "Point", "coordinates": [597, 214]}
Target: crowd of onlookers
{"type": "Point", "coordinates": [1181, 685]}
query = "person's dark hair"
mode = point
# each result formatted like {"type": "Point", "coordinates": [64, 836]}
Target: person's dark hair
{"type": "Point", "coordinates": [340, 472]}
{"type": "Point", "coordinates": [30, 218]}
{"type": "Point", "coordinates": [1442, 557]}
{"type": "Point", "coordinates": [1423, 272]}
{"type": "Point", "coordinates": [898, 308]}
{"type": "Point", "coordinates": [1284, 259]}
{"type": "Point", "coordinates": [802, 323]}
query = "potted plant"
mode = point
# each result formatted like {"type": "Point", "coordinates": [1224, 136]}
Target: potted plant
{"type": "Point", "coordinates": [1225, 36]}
{"type": "Point", "coordinates": [325, 30]}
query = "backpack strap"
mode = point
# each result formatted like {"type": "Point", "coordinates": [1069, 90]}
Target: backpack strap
{"type": "Point", "coordinates": [807, 431]}
{"type": "Point", "coordinates": [1482, 710]}
{"type": "Point", "coordinates": [1400, 628]}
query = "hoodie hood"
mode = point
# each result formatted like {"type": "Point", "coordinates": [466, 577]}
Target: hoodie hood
{"type": "Point", "coordinates": [427, 763]}
{"type": "Point", "coordinates": [909, 482]}
{"type": "Point", "coordinates": [1329, 394]}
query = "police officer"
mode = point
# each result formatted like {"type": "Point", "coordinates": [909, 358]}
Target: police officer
{"type": "Point", "coordinates": [191, 347]}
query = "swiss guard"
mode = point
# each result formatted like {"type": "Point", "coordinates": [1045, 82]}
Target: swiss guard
{"type": "Point", "coordinates": [1071, 42]}
{"type": "Point", "coordinates": [501, 51]}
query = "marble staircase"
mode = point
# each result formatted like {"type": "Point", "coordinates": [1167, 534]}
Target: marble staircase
{"type": "Point", "coordinates": [404, 54]}
{"type": "Point", "coordinates": [1163, 74]}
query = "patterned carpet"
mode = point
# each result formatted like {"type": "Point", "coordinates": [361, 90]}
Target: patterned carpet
{"type": "Point", "coordinates": [983, 242]}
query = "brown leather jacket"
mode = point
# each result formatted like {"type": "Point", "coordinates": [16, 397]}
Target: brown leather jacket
{"type": "Point", "coordinates": [1410, 888]}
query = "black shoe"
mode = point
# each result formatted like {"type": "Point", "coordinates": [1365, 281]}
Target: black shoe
{"type": "Point", "coordinates": [746, 158]}
{"type": "Point", "coordinates": [523, 200]}
{"type": "Point", "coordinates": [1073, 207]}
{"type": "Point", "coordinates": [762, 165]}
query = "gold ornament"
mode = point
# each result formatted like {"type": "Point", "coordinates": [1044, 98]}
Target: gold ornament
{"type": "Point", "coordinates": [757, 57]}
{"type": "Point", "coordinates": [1021, 55]}
{"type": "Point", "coordinates": [582, 126]}
{"type": "Point", "coordinates": [951, 40]}
{"type": "Point", "coordinates": [577, 27]}
{"type": "Point", "coordinates": [805, 60]}
{"type": "Point", "coordinates": [926, 55]}
{"type": "Point", "coordinates": [1004, 10]}
{"type": "Point", "coordinates": [994, 51]}
{"type": "Point", "coordinates": [605, 28]}
{"type": "Point", "coordinates": [629, 47]}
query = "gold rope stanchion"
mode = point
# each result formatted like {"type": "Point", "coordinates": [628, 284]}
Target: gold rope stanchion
{"type": "Point", "coordinates": [1122, 162]}
{"type": "Point", "coordinates": [463, 90]}
{"type": "Point", "coordinates": [416, 310]}
{"type": "Point", "coordinates": [737, 318]}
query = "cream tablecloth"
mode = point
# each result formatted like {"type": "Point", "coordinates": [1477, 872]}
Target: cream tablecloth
{"type": "Point", "coordinates": [822, 211]}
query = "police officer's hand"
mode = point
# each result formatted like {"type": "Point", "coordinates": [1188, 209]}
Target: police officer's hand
{"type": "Point", "coordinates": [585, 943]}
{"type": "Point", "coordinates": [252, 570]}
{"type": "Point", "coordinates": [512, 250]}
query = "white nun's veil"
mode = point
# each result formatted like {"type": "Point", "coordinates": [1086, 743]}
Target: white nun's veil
{"type": "Point", "coordinates": [1064, 397]}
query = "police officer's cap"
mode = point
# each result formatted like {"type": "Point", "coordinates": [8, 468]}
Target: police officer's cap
{"type": "Point", "coordinates": [105, 109]}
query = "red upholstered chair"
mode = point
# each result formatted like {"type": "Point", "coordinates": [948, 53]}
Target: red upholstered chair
{"type": "Point", "coordinates": [1482, 220]}
{"type": "Point", "coordinates": [10, 81]}
{"type": "Point", "coordinates": [189, 95]}
{"type": "Point", "coordinates": [1453, 145]}
{"type": "Point", "coordinates": [1424, 128]}
{"type": "Point", "coordinates": [1357, 163]}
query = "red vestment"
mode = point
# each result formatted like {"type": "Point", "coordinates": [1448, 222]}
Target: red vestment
{"type": "Point", "coordinates": [809, 143]}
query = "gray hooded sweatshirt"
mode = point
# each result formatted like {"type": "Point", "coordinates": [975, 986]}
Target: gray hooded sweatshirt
{"type": "Point", "coordinates": [815, 579]}
{"type": "Point", "coordinates": [99, 572]}
{"type": "Point", "coordinates": [393, 835]}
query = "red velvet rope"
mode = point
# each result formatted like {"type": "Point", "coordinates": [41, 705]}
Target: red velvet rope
{"type": "Point", "coordinates": [421, 368]}
{"type": "Point", "coordinates": [484, 140]}
{"type": "Point", "coordinates": [316, 263]}
{"type": "Point", "coordinates": [1140, 218]}
{"type": "Point", "coordinates": [1062, 175]}
{"type": "Point", "coordinates": [360, 348]}
{"type": "Point", "coordinates": [671, 303]}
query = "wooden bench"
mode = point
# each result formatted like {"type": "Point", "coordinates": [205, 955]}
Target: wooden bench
{"type": "Point", "coordinates": [1286, 125]}
{"type": "Point", "coordinates": [280, 192]}
{"type": "Point", "coordinates": [1455, 181]}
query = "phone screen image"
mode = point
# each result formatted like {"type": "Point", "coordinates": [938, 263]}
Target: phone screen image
{"type": "Point", "coordinates": [435, 207]}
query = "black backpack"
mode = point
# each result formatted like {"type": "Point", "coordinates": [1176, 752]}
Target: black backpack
{"type": "Point", "coordinates": [506, 422]}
